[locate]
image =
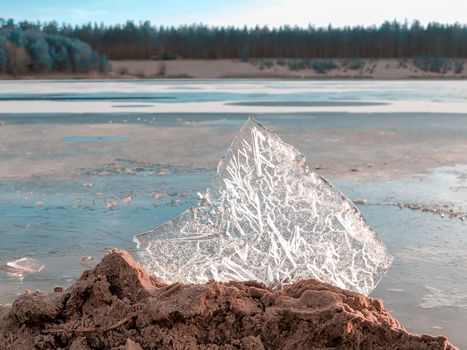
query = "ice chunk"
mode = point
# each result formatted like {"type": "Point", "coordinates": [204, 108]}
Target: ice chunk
{"type": "Point", "coordinates": [265, 217]}
{"type": "Point", "coordinates": [26, 265]}
{"type": "Point", "coordinates": [88, 262]}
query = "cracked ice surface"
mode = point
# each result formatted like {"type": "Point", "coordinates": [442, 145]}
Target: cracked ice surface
{"type": "Point", "coordinates": [265, 217]}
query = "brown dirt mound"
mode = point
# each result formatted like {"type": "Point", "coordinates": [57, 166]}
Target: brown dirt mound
{"type": "Point", "coordinates": [118, 306]}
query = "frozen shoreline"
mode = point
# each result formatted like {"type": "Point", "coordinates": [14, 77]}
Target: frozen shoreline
{"type": "Point", "coordinates": [197, 141]}
{"type": "Point", "coordinates": [76, 184]}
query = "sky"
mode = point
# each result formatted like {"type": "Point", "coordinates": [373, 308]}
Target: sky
{"type": "Point", "coordinates": [273, 13]}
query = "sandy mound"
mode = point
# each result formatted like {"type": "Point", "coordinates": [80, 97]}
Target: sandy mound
{"type": "Point", "coordinates": [118, 306]}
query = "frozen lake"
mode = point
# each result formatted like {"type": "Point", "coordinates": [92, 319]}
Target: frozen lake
{"type": "Point", "coordinates": [84, 165]}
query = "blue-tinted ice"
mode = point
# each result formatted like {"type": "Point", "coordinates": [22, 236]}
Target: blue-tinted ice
{"type": "Point", "coordinates": [266, 217]}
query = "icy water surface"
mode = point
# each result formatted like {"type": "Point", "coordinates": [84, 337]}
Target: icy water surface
{"type": "Point", "coordinates": [85, 165]}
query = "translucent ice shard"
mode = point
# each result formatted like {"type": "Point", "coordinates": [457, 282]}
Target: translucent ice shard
{"type": "Point", "coordinates": [26, 265]}
{"type": "Point", "coordinates": [265, 217]}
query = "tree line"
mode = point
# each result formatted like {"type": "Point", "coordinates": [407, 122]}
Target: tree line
{"type": "Point", "coordinates": [28, 48]}
{"type": "Point", "coordinates": [389, 40]}
{"type": "Point", "coordinates": [41, 47]}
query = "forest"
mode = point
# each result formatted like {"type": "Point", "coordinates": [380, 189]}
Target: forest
{"type": "Point", "coordinates": [389, 40]}
{"type": "Point", "coordinates": [27, 48]}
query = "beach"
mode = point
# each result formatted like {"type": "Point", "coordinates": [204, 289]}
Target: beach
{"type": "Point", "coordinates": [390, 69]}
{"type": "Point", "coordinates": [266, 68]}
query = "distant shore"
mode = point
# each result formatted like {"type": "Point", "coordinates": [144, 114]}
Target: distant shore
{"type": "Point", "coordinates": [381, 69]}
